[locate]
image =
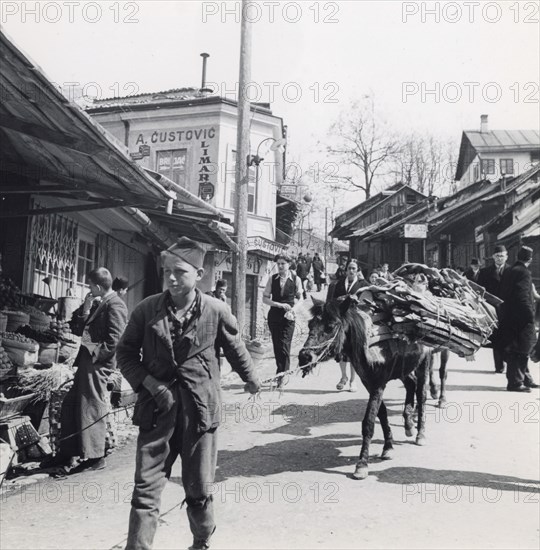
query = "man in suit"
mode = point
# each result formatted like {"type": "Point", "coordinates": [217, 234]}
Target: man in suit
{"type": "Point", "coordinates": [168, 356]}
{"type": "Point", "coordinates": [517, 331]}
{"type": "Point", "coordinates": [490, 278]}
{"type": "Point", "coordinates": [473, 272]}
{"type": "Point", "coordinates": [84, 409]}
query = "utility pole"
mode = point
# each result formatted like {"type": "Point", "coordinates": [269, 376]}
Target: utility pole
{"type": "Point", "coordinates": [239, 264]}
{"type": "Point", "coordinates": [325, 234]}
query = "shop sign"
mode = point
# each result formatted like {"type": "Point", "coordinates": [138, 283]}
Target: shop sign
{"type": "Point", "coordinates": [136, 156]}
{"type": "Point", "coordinates": [207, 191]}
{"type": "Point", "coordinates": [144, 150]}
{"type": "Point", "coordinates": [478, 234]}
{"type": "Point", "coordinates": [288, 191]}
{"type": "Point", "coordinates": [266, 245]}
{"type": "Point", "coordinates": [415, 231]}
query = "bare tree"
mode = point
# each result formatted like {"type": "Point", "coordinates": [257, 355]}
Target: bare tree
{"type": "Point", "coordinates": [424, 162]}
{"type": "Point", "coordinates": [363, 143]}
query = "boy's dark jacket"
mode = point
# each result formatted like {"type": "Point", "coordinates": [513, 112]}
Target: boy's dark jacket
{"type": "Point", "coordinates": [197, 370]}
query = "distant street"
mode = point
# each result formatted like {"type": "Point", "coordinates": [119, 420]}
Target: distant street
{"type": "Point", "coordinates": [283, 478]}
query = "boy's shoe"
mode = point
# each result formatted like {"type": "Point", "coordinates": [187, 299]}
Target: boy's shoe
{"type": "Point", "coordinates": [341, 384]}
{"type": "Point", "coordinates": [353, 387]}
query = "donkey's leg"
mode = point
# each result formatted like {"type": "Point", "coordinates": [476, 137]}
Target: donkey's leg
{"type": "Point", "coordinates": [443, 373]}
{"type": "Point", "coordinates": [408, 410]}
{"type": "Point", "coordinates": [432, 385]}
{"type": "Point", "coordinates": [368, 427]}
{"type": "Point", "coordinates": [421, 396]}
{"type": "Point", "coordinates": [387, 431]}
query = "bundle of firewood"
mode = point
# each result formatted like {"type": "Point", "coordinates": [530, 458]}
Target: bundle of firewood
{"type": "Point", "coordinates": [438, 308]}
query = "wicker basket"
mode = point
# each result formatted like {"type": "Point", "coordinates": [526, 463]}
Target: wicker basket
{"type": "Point", "coordinates": [40, 323]}
{"type": "Point", "coordinates": [3, 322]}
{"type": "Point", "coordinates": [16, 319]}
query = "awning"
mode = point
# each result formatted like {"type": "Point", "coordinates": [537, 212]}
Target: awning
{"type": "Point", "coordinates": [528, 223]}
{"type": "Point", "coordinates": [50, 147]}
{"type": "Point", "coordinates": [265, 247]}
{"type": "Point", "coordinates": [52, 142]}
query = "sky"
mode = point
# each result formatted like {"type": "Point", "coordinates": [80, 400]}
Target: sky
{"type": "Point", "coordinates": [431, 66]}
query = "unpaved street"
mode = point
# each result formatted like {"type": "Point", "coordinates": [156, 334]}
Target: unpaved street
{"type": "Point", "coordinates": [284, 475]}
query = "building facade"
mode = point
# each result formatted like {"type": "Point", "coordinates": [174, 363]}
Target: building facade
{"type": "Point", "coordinates": [190, 138]}
{"type": "Point", "coordinates": [491, 154]}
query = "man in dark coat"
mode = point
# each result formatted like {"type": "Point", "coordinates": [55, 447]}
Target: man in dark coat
{"type": "Point", "coordinates": [517, 332]}
{"type": "Point", "coordinates": [85, 406]}
{"type": "Point", "coordinates": [490, 278]}
{"type": "Point", "coordinates": [177, 379]}
{"type": "Point", "coordinates": [473, 271]}
{"type": "Point", "coordinates": [302, 272]}
{"type": "Point", "coordinates": [318, 270]}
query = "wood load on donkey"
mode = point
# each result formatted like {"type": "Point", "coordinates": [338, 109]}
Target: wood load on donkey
{"type": "Point", "coordinates": [391, 329]}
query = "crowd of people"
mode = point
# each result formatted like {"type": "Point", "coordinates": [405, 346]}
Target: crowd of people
{"type": "Point", "coordinates": [168, 351]}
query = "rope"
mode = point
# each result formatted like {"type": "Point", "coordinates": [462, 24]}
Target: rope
{"type": "Point", "coordinates": [16, 448]}
{"type": "Point", "coordinates": [324, 346]}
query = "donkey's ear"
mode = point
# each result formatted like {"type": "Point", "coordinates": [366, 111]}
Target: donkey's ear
{"type": "Point", "coordinates": [347, 303]}
{"type": "Point", "coordinates": [317, 302]}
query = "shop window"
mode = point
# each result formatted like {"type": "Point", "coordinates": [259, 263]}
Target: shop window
{"type": "Point", "coordinates": [507, 167]}
{"type": "Point", "coordinates": [476, 172]}
{"type": "Point", "coordinates": [231, 183]}
{"type": "Point", "coordinates": [488, 166]}
{"type": "Point", "coordinates": [535, 156]}
{"type": "Point", "coordinates": [52, 254]}
{"type": "Point", "coordinates": [172, 164]}
{"type": "Point", "coordinates": [86, 259]}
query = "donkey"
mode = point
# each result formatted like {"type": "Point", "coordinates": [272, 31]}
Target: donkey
{"type": "Point", "coordinates": [343, 328]}
{"type": "Point", "coordinates": [443, 373]}
{"type": "Point", "coordinates": [411, 384]}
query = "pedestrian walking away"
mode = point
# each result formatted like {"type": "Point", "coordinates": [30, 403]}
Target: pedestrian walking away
{"type": "Point", "coordinates": [490, 278]}
{"type": "Point", "coordinates": [177, 379]}
{"type": "Point", "coordinates": [302, 273]}
{"type": "Point", "coordinates": [318, 271]}
{"type": "Point", "coordinates": [350, 284]}
{"type": "Point", "coordinates": [282, 291]}
{"type": "Point", "coordinates": [85, 407]}
{"type": "Point", "coordinates": [517, 333]}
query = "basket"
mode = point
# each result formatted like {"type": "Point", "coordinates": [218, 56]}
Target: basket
{"type": "Point", "coordinates": [3, 322]}
{"type": "Point", "coordinates": [16, 319]}
{"type": "Point", "coordinates": [14, 406]}
{"type": "Point", "coordinates": [15, 344]}
{"type": "Point", "coordinates": [48, 353]}
{"type": "Point", "coordinates": [40, 323]}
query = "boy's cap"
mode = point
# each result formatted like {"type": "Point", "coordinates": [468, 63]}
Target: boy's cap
{"type": "Point", "coordinates": [188, 250]}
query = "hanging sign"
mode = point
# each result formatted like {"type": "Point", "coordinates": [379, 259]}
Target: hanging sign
{"type": "Point", "coordinates": [415, 231]}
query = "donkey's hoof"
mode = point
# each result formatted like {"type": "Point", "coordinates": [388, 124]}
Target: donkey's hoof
{"type": "Point", "coordinates": [442, 403]}
{"type": "Point", "coordinates": [409, 432]}
{"type": "Point", "coordinates": [420, 440]}
{"type": "Point", "coordinates": [433, 393]}
{"type": "Point", "coordinates": [361, 472]}
{"type": "Point", "coordinates": [387, 454]}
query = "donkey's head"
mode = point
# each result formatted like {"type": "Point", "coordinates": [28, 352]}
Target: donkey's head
{"type": "Point", "coordinates": [328, 331]}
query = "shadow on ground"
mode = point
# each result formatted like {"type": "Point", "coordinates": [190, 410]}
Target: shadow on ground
{"type": "Point", "coordinates": [495, 482]}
